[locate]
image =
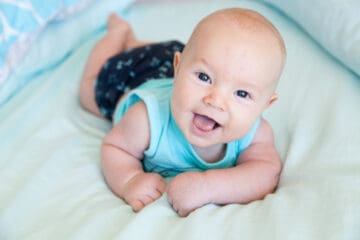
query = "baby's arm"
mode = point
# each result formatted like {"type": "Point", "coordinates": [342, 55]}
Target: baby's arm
{"type": "Point", "coordinates": [122, 149]}
{"type": "Point", "coordinates": [255, 175]}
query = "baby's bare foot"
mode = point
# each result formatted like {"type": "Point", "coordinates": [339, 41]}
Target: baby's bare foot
{"type": "Point", "coordinates": [122, 30]}
{"type": "Point", "coordinates": [116, 25]}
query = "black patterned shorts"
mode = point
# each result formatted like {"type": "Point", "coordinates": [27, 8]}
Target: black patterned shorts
{"type": "Point", "coordinates": [130, 69]}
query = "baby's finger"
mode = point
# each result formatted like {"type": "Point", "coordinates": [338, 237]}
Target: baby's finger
{"type": "Point", "coordinates": [183, 213]}
{"type": "Point", "coordinates": [154, 195]}
{"type": "Point", "coordinates": [137, 205]}
{"type": "Point", "coordinates": [161, 188]}
{"type": "Point", "coordinates": [149, 198]}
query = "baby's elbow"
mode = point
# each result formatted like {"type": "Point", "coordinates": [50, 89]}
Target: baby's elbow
{"type": "Point", "coordinates": [273, 179]}
{"type": "Point", "coordinates": [108, 154]}
{"type": "Point", "coordinates": [270, 181]}
{"type": "Point", "coordinates": [276, 171]}
{"type": "Point", "coordinates": [267, 188]}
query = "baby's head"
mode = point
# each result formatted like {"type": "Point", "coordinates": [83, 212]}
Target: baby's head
{"type": "Point", "coordinates": [226, 76]}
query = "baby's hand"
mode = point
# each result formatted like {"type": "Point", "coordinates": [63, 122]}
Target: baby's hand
{"type": "Point", "coordinates": [142, 189]}
{"type": "Point", "coordinates": [187, 192]}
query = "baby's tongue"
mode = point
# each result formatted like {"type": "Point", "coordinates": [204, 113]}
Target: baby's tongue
{"type": "Point", "coordinates": [204, 123]}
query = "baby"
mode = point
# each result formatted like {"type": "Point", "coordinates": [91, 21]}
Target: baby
{"type": "Point", "coordinates": [189, 112]}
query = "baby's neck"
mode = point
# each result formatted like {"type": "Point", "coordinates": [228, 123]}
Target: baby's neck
{"type": "Point", "coordinates": [211, 154]}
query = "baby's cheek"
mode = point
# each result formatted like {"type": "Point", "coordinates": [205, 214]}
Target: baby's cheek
{"type": "Point", "coordinates": [237, 130]}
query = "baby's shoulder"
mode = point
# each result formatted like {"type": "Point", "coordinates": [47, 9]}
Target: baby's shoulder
{"type": "Point", "coordinates": [264, 132]}
{"type": "Point", "coordinates": [136, 116]}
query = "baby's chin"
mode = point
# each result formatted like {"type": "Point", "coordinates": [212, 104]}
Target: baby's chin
{"type": "Point", "coordinates": [202, 143]}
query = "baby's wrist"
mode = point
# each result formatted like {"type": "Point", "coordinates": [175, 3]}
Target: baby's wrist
{"type": "Point", "coordinates": [128, 180]}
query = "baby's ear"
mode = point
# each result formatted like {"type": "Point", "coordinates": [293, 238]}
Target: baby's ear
{"type": "Point", "coordinates": [272, 99]}
{"type": "Point", "coordinates": [176, 62]}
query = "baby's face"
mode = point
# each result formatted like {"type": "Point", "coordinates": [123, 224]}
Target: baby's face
{"type": "Point", "coordinates": [223, 82]}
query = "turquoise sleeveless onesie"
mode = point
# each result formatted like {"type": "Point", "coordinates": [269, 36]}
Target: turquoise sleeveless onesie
{"type": "Point", "coordinates": [169, 152]}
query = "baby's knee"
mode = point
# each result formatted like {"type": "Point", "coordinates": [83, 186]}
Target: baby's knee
{"type": "Point", "coordinates": [86, 93]}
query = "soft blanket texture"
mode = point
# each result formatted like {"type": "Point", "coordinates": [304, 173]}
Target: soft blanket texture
{"type": "Point", "coordinates": [52, 185]}
{"type": "Point", "coordinates": [22, 21]}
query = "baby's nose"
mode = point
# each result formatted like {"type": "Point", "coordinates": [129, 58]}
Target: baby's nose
{"type": "Point", "coordinates": [215, 100]}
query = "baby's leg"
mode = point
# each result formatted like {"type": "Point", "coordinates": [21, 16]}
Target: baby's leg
{"type": "Point", "coordinates": [118, 38]}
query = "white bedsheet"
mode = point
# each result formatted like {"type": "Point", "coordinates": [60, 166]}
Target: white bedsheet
{"type": "Point", "coordinates": [51, 181]}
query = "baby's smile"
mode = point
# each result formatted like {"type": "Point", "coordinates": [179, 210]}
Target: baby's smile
{"type": "Point", "coordinates": [203, 124]}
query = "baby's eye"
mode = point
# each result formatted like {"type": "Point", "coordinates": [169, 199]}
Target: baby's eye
{"type": "Point", "coordinates": [242, 94]}
{"type": "Point", "coordinates": [204, 77]}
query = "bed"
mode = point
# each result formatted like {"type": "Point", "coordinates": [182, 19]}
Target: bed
{"type": "Point", "coordinates": [52, 185]}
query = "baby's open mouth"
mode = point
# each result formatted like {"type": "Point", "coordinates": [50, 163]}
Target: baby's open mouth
{"type": "Point", "coordinates": [204, 123]}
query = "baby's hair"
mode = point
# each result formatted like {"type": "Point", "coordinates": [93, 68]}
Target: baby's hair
{"type": "Point", "coordinates": [246, 19]}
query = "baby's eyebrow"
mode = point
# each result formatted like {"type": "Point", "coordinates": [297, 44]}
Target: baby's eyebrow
{"type": "Point", "coordinates": [203, 61]}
